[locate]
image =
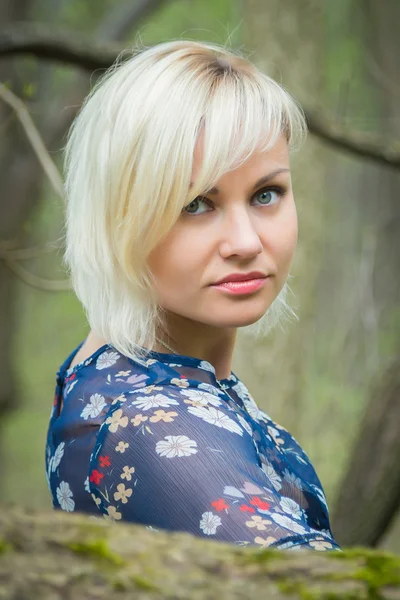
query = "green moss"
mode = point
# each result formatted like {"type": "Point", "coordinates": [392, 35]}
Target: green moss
{"type": "Point", "coordinates": [260, 556]}
{"type": "Point", "coordinates": [96, 549]}
{"type": "Point", "coordinates": [144, 584]}
{"type": "Point", "coordinates": [300, 589]}
{"type": "Point", "coordinates": [379, 570]}
{"type": "Point", "coordinates": [4, 546]}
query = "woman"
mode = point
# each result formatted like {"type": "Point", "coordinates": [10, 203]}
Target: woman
{"type": "Point", "coordinates": [181, 228]}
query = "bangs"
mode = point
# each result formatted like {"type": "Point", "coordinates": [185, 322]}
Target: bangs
{"type": "Point", "coordinates": [245, 113]}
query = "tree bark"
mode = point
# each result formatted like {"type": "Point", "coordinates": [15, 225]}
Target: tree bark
{"type": "Point", "coordinates": [370, 491]}
{"type": "Point", "coordinates": [71, 556]}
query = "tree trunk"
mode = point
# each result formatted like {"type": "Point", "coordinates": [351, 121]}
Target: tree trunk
{"type": "Point", "coordinates": [370, 491]}
{"type": "Point", "coordinates": [369, 495]}
{"type": "Point", "coordinates": [19, 185]}
{"type": "Point", "coordinates": [62, 556]}
{"type": "Point", "coordinates": [287, 40]}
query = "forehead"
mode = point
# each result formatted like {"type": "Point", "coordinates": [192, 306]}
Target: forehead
{"type": "Point", "coordinates": [275, 158]}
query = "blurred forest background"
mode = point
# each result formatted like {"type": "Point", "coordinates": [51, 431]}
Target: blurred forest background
{"type": "Point", "coordinates": [333, 376]}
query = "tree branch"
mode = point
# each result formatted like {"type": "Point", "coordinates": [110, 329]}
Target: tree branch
{"type": "Point", "coordinates": [34, 138]}
{"type": "Point", "coordinates": [118, 23]}
{"type": "Point", "coordinates": [9, 255]}
{"type": "Point", "coordinates": [71, 49]}
{"type": "Point", "coordinates": [99, 560]}
{"type": "Point", "coordinates": [60, 46]}
{"type": "Point", "coordinates": [358, 143]}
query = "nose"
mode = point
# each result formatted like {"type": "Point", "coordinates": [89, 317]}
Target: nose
{"type": "Point", "coordinates": [239, 235]}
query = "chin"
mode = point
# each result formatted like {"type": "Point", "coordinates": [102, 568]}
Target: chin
{"type": "Point", "coordinates": [240, 319]}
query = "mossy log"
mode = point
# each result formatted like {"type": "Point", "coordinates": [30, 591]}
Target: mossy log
{"type": "Point", "coordinates": [54, 555]}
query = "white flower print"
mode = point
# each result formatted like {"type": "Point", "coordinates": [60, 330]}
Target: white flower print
{"type": "Point", "coordinates": [291, 507]}
{"type": "Point", "coordinates": [206, 366]}
{"type": "Point", "coordinates": [253, 410]}
{"type": "Point", "coordinates": [70, 386]}
{"type": "Point", "coordinates": [48, 474]}
{"type": "Point", "coordinates": [229, 490]}
{"type": "Point", "coordinates": [176, 445]}
{"type": "Point", "coordinates": [271, 474]}
{"type": "Point", "coordinates": [94, 407]}
{"type": "Point", "coordinates": [209, 523]}
{"type": "Point", "coordinates": [293, 479]}
{"type": "Point", "coordinates": [58, 454]}
{"type": "Point", "coordinates": [210, 388]}
{"type": "Point", "coordinates": [287, 523]}
{"type": "Point", "coordinates": [244, 424]}
{"type": "Point", "coordinates": [107, 359]}
{"type": "Point", "coordinates": [215, 417]}
{"type": "Point", "coordinates": [87, 487]}
{"type": "Point", "coordinates": [149, 402]}
{"type": "Point", "coordinates": [274, 433]}
{"type": "Point", "coordinates": [241, 390]}
{"type": "Point", "coordinates": [320, 495]}
{"type": "Point", "coordinates": [65, 497]}
{"type": "Point", "coordinates": [326, 532]}
{"type": "Point", "coordinates": [290, 547]}
{"type": "Point", "coordinates": [203, 398]}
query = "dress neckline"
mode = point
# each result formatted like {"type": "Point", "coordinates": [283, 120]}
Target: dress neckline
{"type": "Point", "coordinates": [165, 358]}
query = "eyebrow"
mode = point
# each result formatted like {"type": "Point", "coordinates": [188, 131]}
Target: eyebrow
{"type": "Point", "coordinates": [261, 181]}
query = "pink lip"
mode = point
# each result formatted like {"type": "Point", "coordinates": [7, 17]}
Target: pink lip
{"type": "Point", "coordinates": [241, 287]}
{"type": "Point", "coordinates": [241, 277]}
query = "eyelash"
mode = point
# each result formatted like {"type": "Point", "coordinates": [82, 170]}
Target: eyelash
{"type": "Point", "coordinates": [281, 191]}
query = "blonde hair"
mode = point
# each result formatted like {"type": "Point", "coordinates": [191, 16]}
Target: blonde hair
{"type": "Point", "coordinates": [128, 164]}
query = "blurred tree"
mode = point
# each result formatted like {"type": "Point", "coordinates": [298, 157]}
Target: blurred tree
{"type": "Point", "coordinates": [346, 265]}
{"type": "Point", "coordinates": [369, 494]}
{"type": "Point", "coordinates": [19, 173]}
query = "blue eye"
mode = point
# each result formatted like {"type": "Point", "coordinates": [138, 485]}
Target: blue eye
{"type": "Point", "coordinates": [267, 196]}
{"type": "Point", "coordinates": [191, 208]}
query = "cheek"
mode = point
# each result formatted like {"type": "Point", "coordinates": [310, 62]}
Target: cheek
{"type": "Point", "coordinates": [174, 260]}
{"type": "Point", "coordinates": [284, 238]}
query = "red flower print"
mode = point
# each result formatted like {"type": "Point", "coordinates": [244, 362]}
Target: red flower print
{"type": "Point", "coordinates": [219, 504]}
{"type": "Point", "coordinates": [245, 508]}
{"type": "Point", "coordinates": [96, 476]}
{"type": "Point", "coordinates": [104, 461]}
{"type": "Point", "coordinates": [259, 503]}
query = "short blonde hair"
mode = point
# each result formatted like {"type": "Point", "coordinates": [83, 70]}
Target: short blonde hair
{"type": "Point", "coordinates": [128, 164]}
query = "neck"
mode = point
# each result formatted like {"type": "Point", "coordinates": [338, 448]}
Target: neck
{"type": "Point", "coordinates": [189, 338]}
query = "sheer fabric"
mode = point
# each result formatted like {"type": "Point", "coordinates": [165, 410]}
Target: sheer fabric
{"type": "Point", "coordinates": [170, 447]}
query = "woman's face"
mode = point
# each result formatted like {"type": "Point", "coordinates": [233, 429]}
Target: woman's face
{"type": "Point", "coordinates": [242, 226]}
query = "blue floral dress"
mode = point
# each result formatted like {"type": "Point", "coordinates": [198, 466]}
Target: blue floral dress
{"type": "Point", "coordinates": [170, 447]}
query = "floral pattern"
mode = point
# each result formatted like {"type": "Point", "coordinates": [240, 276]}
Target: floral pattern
{"type": "Point", "coordinates": [168, 446]}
